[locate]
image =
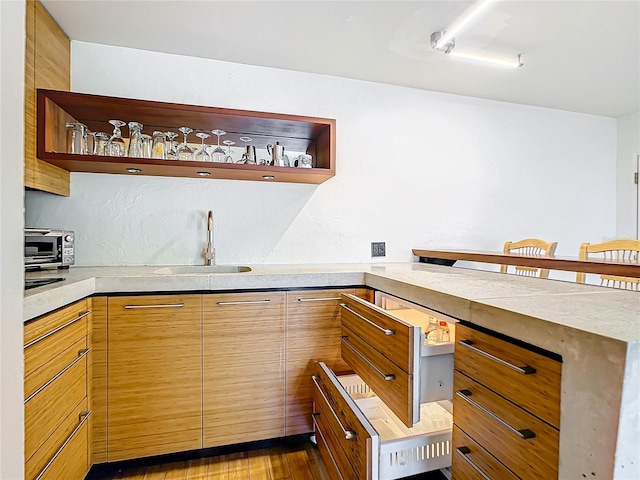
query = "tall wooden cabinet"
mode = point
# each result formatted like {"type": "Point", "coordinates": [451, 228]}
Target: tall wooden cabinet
{"type": "Point", "coordinates": [243, 367]}
{"type": "Point", "coordinates": [154, 375]}
{"type": "Point", "coordinates": [47, 65]}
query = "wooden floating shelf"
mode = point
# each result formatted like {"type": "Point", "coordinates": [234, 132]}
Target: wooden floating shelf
{"type": "Point", "coordinates": [314, 136]}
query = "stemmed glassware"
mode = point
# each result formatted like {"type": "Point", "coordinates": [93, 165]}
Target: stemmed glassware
{"type": "Point", "coordinates": [229, 158]}
{"type": "Point", "coordinates": [218, 154]}
{"type": "Point", "coordinates": [116, 146]}
{"type": "Point", "coordinates": [185, 152]}
{"type": "Point", "coordinates": [171, 151]}
{"type": "Point", "coordinates": [202, 155]}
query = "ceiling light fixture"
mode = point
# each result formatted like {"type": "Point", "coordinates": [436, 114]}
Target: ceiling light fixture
{"type": "Point", "coordinates": [444, 41]}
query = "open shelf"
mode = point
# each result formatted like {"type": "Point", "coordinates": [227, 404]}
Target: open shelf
{"type": "Point", "coordinates": [314, 136]}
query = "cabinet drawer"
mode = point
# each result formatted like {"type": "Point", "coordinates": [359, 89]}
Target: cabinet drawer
{"type": "Point", "coordinates": [527, 378]}
{"type": "Point", "coordinates": [355, 442]}
{"type": "Point", "coordinates": [527, 445]}
{"type": "Point", "coordinates": [393, 337]}
{"type": "Point", "coordinates": [47, 408]}
{"type": "Point", "coordinates": [335, 473]}
{"type": "Point", "coordinates": [71, 462]}
{"type": "Point", "coordinates": [56, 441]}
{"type": "Point", "coordinates": [470, 461]}
{"type": "Point", "coordinates": [40, 327]}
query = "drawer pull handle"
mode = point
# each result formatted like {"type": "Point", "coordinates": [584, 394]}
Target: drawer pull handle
{"type": "Point", "coordinates": [160, 305]}
{"type": "Point", "coordinates": [463, 452]}
{"type": "Point", "coordinates": [248, 302]}
{"type": "Point", "coordinates": [325, 299]}
{"type": "Point", "coordinates": [524, 434]}
{"type": "Point", "coordinates": [386, 331]}
{"type": "Point", "coordinates": [348, 434]}
{"type": "Point", "coordinates": [81, 354]}
{"type": "Point", "coordinates": [319, 432]}
{"type": "Point", "coordinates": [83, 418]}
{"type": "Point", "coordinates": [48, 334]}
{"type": "Point", "coordinates": [386, 376]}
{"type": "Point", "coordinates": [526, 370]}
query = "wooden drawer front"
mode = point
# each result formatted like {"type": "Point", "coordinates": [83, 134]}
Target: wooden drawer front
{"type": "Point", "coordinates": [154, 403]}
{"type": "Point", "coordinates": [72, 461]}
{"type": "Point", "coordinates": [538, 392]}
{"type": "Point", "coordinates": [506, 430]}
{"type": "Point", "coordinates": [391, 336]}
{"type": "Point", "coordinates": [345, 425]}
{"type": "Point", "coordinates": [394, 386]}
{"type": "Point", "coordinates": [47, 409]}
{"type": "Point", "coordinates": [44, 455]}
{"type": "Point", "coordinates": [312, 334]}
{"type": "Point", "coordinates": [40, 327]}
{"type": "Point", "coordinates": [334, 457]}
{"type": "Point", "coordinates": [470, 461]}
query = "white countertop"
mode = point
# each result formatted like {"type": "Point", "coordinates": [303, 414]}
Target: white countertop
{"type": "Point", "coordinates": [595, 330]}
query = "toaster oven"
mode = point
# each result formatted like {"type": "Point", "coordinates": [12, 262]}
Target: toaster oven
{"type": "Point", "coordinates": [48, 248]}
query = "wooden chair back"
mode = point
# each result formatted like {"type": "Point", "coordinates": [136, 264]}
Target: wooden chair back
{"type": "Point", "coordinates": [624, 250]}
{"type": "Point", "coordinates": [532, 247]}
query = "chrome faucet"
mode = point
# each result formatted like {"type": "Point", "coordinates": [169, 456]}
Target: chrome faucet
{"type": "Point", "coordinates": [210, 254]}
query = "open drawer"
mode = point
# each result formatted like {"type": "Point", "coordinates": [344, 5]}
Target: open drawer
{"type": "Point", "coordinates": [364, 440]}
{"type": "Point", "coordinates": [386, 344]}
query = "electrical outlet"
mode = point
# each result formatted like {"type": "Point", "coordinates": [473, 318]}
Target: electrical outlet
{"type": "Point", "coordinates": [377, 249]}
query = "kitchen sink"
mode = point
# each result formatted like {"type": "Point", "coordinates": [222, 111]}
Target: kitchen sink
{"type": "Point", "coordinates": [201, 269]}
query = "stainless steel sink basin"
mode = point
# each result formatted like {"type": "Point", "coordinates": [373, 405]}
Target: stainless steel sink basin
{"type": "Point", "coordinates": [201, 269]}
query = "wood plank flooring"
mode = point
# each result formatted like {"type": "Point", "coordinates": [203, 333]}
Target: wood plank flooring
{"type": "Point", "coordinates": [276, 463]}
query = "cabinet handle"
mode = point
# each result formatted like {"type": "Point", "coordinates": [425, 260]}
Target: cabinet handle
{"type": "Point", "coordinates": [83, 418]}
{"type": "Point", "coordinates": [386, 331]}
{"type": "Point", "coordinates": [526, 370]}
{"type": "Point", "coordinates": [248, 302]}
{"type": "Point", "coordinates": [324, 299]}
{"type": "Point", "coordinates": [524, 434]}
{"type": "Point", "coordinates": [81, 354]}
{"type": "Point", "coordinates": [160, 305]}
{"type": "Point", "coordinates": [319, 432]}
{"type": "Point", "coordinates": [348, 434]}
{"type": "Point", "coordinates": [386, 376]}
{"type": "Point", "coordinates": [463, 452]}
{"type": "Point", "coordinates": [57, 329]}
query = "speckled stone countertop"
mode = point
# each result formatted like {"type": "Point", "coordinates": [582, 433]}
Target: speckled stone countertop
{"type": "Point", "coordinates": [596, 331]}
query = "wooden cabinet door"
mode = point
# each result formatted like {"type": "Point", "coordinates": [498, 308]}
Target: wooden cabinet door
{"type": "Point", "coordinates": [47, 65]}
{"type": "Point", "coordinates": [243, 360]}
{"type": "Point", "coordinates": [154, 397]}
{"type": "Point", "coordinates": [312, 335]}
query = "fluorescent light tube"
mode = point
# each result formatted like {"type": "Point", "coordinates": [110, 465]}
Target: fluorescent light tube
{"type": "Point", "coordinates": [503, 62]}
{"type": "Point", "coordinates": [469, 14]}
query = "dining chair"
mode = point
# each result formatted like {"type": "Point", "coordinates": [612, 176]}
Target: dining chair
{"type": "Point", "coordinates": [532, 247]}
{"type": "Point", "coordinates": [624, 250]}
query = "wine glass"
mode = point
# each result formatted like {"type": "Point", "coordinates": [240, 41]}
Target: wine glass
{"type": "Point", "coordinates": [185, 152]}
{"type": "Point", "coordinates": [171, 151]}
{"type": "Point", "coordinates": [218, 154]}
{"type": "Point", "coordinates": [116, 146]}
{"type": "Point", "coordinates": [202, 155]}
{"type": "Point", "coordinates": [229, 158]}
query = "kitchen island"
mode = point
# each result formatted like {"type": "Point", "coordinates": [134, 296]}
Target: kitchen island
{"type": "Point", "coordinates": [595, 330]}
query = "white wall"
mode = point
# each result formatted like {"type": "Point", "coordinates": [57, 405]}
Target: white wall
{"type": "Point", "coordinates": [12, 26]}
{"type": "Point", "coordinates": [626, 190]}
{"type": "Point", "coordinates": [414, 169]}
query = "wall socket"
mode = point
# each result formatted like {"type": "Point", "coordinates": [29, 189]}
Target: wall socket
{"type": "Point", "coordinates": [377, 249]}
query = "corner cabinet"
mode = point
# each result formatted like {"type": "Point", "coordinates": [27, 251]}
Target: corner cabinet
{"type": "Point", "coordinates": [310, 135]}
{"type": "Point", "coordinates": [47, 65]}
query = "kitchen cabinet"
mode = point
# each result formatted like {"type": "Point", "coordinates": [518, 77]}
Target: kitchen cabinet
{"type": "Point", "coordinates": [57, 393]}
{"type": "Point", "coordinates": [154, 375]}
{"type": "Point", "coordinates": [47, 65]}
{"type": "Point", "coordinates": [312, 334]}
{"type": "Point", "coordinates": [392, 419]}
{"type": "Point", "coordinates": [506, 408]}
{"type": "Point", "coordinates": [311, 135]}
{"type": "Point", "coordinates": [244, 368]}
